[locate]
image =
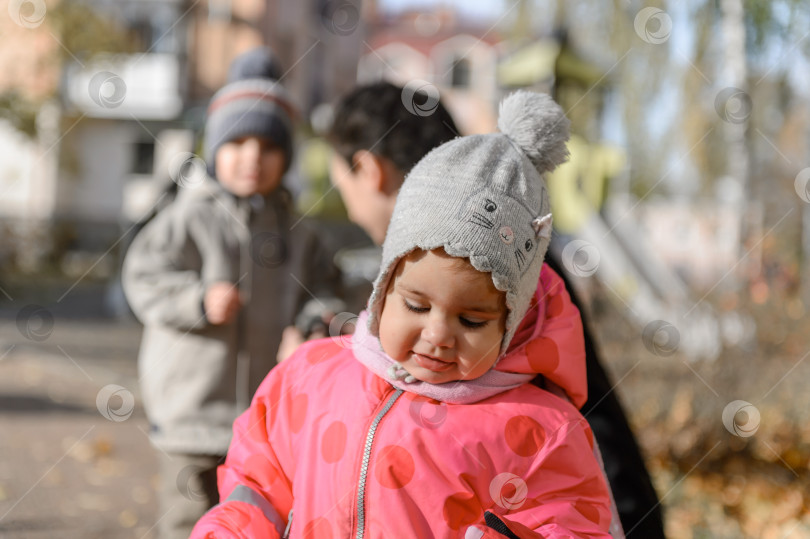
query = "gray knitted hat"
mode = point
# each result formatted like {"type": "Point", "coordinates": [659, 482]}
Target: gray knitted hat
{"type": "Point", "coordinates": [483, 197]}
{"type": "Point", "coordinates": [253, 102]}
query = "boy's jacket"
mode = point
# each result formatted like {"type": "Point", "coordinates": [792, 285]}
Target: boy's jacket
{"type": "Point", "coordinates": [196, 378]}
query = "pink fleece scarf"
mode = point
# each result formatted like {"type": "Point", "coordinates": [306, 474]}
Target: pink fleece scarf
{"type": "Point", "coordinates": [369, 352]}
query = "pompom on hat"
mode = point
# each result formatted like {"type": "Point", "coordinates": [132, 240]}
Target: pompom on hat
{"type": "Point", "coordinates": [483, 197]}
{"type": "Point", "coordinates": [252, 103]}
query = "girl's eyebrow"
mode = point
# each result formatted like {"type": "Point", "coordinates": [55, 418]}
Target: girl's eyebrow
{"type": "Point", "coordinates": [408, 289]}
{"type": "Point", "coordinates": [488, 309]}
{"type": "Point", "coordinates": [484, 309]}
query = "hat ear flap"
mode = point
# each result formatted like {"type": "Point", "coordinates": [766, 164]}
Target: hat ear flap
{"type": "Point", "coordinates": [542, 227]}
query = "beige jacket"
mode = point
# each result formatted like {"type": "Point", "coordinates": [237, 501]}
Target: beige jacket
{"type": "Point", "coordinates": [196, 378]}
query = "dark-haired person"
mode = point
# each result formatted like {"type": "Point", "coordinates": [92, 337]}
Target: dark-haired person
{"type": "Point", "coordinates": [376, 141]}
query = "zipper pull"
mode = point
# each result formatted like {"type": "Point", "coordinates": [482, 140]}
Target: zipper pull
{"type": "Point", "coordinates": [289, 524]}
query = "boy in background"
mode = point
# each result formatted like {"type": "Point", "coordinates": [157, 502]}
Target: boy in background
{"type": "Point", "coordinates": [215, 277]}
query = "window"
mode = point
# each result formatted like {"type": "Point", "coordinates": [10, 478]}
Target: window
{"type": "Point", "coordinates": [144, 158]}
{"type": "Point", "coordinates": [460, 77]}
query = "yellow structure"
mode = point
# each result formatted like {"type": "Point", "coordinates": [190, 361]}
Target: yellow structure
{"type": "Point", "coordinates": [577, 189]}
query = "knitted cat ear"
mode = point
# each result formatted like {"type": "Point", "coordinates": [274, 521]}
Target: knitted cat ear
{"type": "Point", "coordinates": [538, 126]}
{"type": "Point", "coordinates": [542, 227]}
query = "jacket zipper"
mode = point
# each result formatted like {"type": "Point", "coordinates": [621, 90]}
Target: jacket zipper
{"type": "Point", "coordinates": [361, 490]}
{"type": "Point", "coordinates": [243, 396]}
{"type": "Point", "coordinates": [289, 525]}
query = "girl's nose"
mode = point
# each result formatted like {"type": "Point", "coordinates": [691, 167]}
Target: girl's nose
{"type": "Point", "coordinates": [438, 332]}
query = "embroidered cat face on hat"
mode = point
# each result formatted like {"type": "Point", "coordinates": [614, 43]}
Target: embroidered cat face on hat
{"type": "Point", "coordinates": [515, 244]}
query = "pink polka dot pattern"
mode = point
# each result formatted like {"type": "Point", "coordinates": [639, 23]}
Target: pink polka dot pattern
{"type": "Point", "coordinates": [555, 306]}
{"type": "Point", "coordinates": [333, 443]}
{"type": "Point", "coordinates": [589, 436]}
{"type": "Point", "coordinates": [524, 435]}
{"type": "Point", "coordinates": [543, 355]}
{"type": "Point", "coordinates": [320, 353]}
{"type": "Point", "coordinates": [394, 467]}
{"type": "Point", "coordinates": [261, 469]}
{"type": "Point", "coordinates": [462, 509]}
{"type": "Point", "coordinates": [588, 511]}
{"type": "Point", "coordinates": [272, 403]}
{"type": "Point", "coordinates": [318, 528]}
{"type": "Point", "coordinates": [298, 411]}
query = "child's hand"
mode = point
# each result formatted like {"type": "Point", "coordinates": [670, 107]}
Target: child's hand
{"type": "Point", "coordinates": [291, 339]}
{"type": "Point", "coordinates": [221, 303]}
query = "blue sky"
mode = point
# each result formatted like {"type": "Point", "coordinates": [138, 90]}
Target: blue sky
{"type": "Point", "coordinates": [485, 9]}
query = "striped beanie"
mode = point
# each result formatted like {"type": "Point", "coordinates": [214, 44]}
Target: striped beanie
{"type": "Point", "coordinates": [252, 103]}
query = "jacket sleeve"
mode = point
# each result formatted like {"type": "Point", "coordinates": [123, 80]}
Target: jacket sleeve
{"type": "Point", "coordinates": [327, 282]}
{"type": "Point", "coordinates": [255, 493]}
{"type": "Point", "coordinates": [323, 276]}
{"type": "Point", "coordinates": [161, 273]}
{"type": "Point", "coordinates": [564, 496]}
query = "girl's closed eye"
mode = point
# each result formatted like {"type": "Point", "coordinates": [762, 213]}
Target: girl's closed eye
{"type": "Point", "coordinates": [472, 324]}
{"type": "Point", "coordinates": [415, 308]}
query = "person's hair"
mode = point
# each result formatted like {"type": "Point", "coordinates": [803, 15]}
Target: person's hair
{"type": "Point", "coordinates": [374, 118]}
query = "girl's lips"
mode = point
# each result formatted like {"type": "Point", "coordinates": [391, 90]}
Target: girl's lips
{"type": "Point", "coordinates": [431, 364]}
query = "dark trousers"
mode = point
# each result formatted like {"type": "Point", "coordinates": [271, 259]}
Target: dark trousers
{"type": "Point", "coordinates": [188, 488]}
{"type": "Point", "coordinates": [636, 499]}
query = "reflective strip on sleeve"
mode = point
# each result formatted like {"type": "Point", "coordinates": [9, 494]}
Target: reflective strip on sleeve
{"type": "Point", "coordinates": [243, 493]}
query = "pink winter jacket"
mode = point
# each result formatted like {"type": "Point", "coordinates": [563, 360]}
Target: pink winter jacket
{"type": "Point", "coordinates": [328, 449]}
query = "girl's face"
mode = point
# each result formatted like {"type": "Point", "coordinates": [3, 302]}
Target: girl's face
{"type": "Point", "coordinates": [250, 165]}
{"type": "Point", "coordinates": [442, 319]}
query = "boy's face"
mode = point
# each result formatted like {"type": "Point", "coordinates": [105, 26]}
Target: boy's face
{"type": "Point", "coordinates": [250, 165]}
{"type": "Point", "coordinates": [351, 189]}
{"type": "Point", "coordinates": [442, 319]}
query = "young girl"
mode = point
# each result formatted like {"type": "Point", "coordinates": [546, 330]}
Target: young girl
{"type": "Point", "coordinates": [426, 425]}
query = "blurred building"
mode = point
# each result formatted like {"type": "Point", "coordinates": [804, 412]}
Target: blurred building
{"type": "Point", "coordinates": [458, 58]}
{"type": "Point", "coordinates": [103, 129]}
{"type": "Point", "coordinates": [95, 137]}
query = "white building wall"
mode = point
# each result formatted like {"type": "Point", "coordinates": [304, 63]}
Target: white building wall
{"type": "Point", "coordinates": [102, 159]}
{"type": "Point", "coordinates": [26, 174]}
{"type": "Point", "coordinates": [17, 155]}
